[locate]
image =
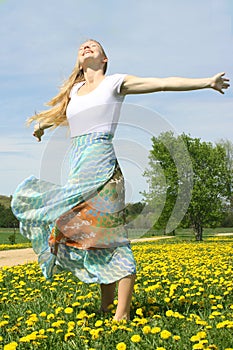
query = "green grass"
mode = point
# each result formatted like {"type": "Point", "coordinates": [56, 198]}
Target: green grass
{"type": "Point", "coordinates": [181, 234]}
{"type": "Point", "coordinates": [6, 232]}
{"type": "Point", "coordinates": [182, 301]}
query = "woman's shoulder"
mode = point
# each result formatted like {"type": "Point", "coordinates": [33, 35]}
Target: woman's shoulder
{"type": "Point", "coordinates": [115, 81]}
{"type": "Point", "coordinates": [116, 76]}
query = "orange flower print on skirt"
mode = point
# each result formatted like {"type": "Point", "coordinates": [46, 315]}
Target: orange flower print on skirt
{"type": "Point", "coordinates": [97, 222]}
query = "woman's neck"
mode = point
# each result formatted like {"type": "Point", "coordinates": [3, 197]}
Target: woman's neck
{"type": "Point", "coordinates": [93, 77]}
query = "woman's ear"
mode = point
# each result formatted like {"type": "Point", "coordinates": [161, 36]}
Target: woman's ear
{"type": "Point", "coordinates": [105, 60]}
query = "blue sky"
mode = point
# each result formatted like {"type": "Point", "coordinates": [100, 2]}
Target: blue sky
{"type": "Point", "coordinates": [39, 41]}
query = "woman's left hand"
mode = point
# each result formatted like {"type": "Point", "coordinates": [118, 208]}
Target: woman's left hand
{"type": "Point", "coordinates": [38, 132]}
{"type": "Point", "coordinates": [218, 82]}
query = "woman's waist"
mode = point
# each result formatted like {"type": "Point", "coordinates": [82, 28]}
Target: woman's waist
{"type": "Point", "coordinates": [91, 138]}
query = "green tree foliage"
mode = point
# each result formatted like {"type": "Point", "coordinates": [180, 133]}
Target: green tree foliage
{"type": "Point", "coordinates": [228, 208]}
{"type": "Point", "coordinates": [7, 218]}
{"type": "Point", "coordinates": [197, 181]}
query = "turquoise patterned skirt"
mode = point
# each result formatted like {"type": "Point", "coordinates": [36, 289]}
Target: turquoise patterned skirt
{"type": "Point", "coordinates": [79, 227]}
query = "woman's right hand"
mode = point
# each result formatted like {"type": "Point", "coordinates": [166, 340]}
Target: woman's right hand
{"type": "Point", "coordinates": [38, 132]}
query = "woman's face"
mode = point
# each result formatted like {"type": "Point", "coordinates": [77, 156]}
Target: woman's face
{"type": "Point", "coordinates": [90, 51]}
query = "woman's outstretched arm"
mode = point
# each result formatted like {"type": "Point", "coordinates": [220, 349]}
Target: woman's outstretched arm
{"type": "Point", "coordinates": [137, 85]}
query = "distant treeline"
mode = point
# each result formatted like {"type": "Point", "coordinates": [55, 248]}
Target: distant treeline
{"type": "Point", "coordinates": [7, 218]}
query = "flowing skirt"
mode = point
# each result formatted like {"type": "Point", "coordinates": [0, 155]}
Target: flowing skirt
{"type": "Point", "coordinates": [79, 227]}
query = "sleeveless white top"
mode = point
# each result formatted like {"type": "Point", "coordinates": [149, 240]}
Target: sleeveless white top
{"type": "Point", "coordinates": [97, 111]}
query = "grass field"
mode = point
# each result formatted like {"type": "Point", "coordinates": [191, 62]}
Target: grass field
{"type": "Point", "coordinates": [182, 300]}
{"type": "Point", "coordinates": [180, 234]}
{"type": "Point", "coordinates": [6, 232]}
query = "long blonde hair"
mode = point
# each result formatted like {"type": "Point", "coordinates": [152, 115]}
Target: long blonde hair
{"type": "Point", "coordinates": [57, 114]}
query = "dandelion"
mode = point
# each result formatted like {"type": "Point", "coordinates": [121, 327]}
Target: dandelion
{"type": "Point", "coordinates": [176, 337]}
{"type": "Point", "coordinates": [68, 335]}
{"type": "Point", "coordinates": [50, 330]}
{"type": "Point", "coordinates": [198, 346]}
{"type": "Point", "coordinates": [155, 330]}
{"type": "Point", "coordinates": [94, 333]}
{"type": "Point", "coordinates": [11, 346]}
{"type": "Point", "coordinates": [146, 329]}
{"type": "Point", "coordinates": [82, 314]}
{"type": "Point", "coordinates": [71, 326]}
{"type": "Point", "coordinates": [58, 310]}
{"type": "Point", "coordinates": [139, 312]}
{"type": "Point", "coordinates": [121, 346]}
{"type": "Point", "coordinates": [50, 316]}
{"type": "Point", "coordinates": [169, 313]}
{"type": "Point", "coordinates": [136, 338]}
{"type": "Point", "coordinates": [98, 323]}
{"type": "Point", "coordinates": [68, 310]}
{"type": "Point", "coordinates": [165, 334]}
{"type": "Point", "coordinates": [201, 335]}
{"type": "Point", "coordinates": [43, 314]}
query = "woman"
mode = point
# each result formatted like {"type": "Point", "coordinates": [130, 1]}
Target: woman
{"type": "Point", "coordinates": [80, 227]}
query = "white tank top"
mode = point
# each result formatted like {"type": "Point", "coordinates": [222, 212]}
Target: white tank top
{"type": "Point", "coordinates": [97, 111]}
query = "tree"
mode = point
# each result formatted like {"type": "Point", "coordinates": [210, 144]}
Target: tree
{"type": "Point", "coordinates": [170, 181]}
{"type": "Point", "coordinates": [228, 209]}
{"type": "Point", "coordinates": [7, 218]}
{"type": "Point", "coordinates": [200, 189]}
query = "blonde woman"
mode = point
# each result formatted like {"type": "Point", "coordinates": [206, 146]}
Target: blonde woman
{"type": "Point", "coordinates": [80, 227]}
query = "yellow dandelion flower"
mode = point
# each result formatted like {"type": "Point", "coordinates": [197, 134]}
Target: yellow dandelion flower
{"type": "Point", "coordinates": [82, 314]}
{"type": "Point", "coordinates": [139, 312]}
{"type": "Point", "coordinates": [169, 313]}
{"type": "Point", "coordinates": [43, 314]}
{"type": "Point", "coordinates": [121, 346]}
{"type": "Point", "coordinates": [68, 335]}
{"type": "Point", "coordinates": [1, 338]}
{"type": "Point", "coordinates": [160, 348]}
{"type": "Point", "coordinates": [201, 335]}
{"type": "Point", "coordinates": [50, 316]}
{"type": "Point", "coordinates": [194, 338]}
{"type": "Point", "coordinates": [155, 330]}
{"type": "Point", "coordinates": [165, 334]}
{"type": "Point", "coordinates": [146, 329]}
{"type": "Point", "coordinates": [198, 346]}
{"type": "Point", "coordinates": [58, 310]}
{"type": "Point", "coordinates": [98, 323]}
{"type": "Point", "coordinates": [11, 346]}
{"type": "Point", "coordinates": [76, 303]}
{"type": "Point", "coordinates": [136, 338]}
{"type": "Point", "coordinates": [50, 330]}
{"type": "Point", "coordinates": [176, 337]}
{"type": "Point", "coordinates": [68, 310]}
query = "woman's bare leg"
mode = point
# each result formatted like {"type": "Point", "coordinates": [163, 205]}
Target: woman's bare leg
{"type": "Point", "coordinates": [107, 295]}
{"type": "Point", "coordinates": [125, 292]}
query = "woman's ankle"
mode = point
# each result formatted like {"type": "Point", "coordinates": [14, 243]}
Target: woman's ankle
{"type": "Point", "coordinates": [120, 317]}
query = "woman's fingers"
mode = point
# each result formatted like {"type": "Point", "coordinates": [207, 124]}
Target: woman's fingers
{"type": "Point", "coordinates": [38, 134]}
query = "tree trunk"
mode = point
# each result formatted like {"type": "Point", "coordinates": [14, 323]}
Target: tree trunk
{"type": "Point", "coordinates": [198, 230]}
